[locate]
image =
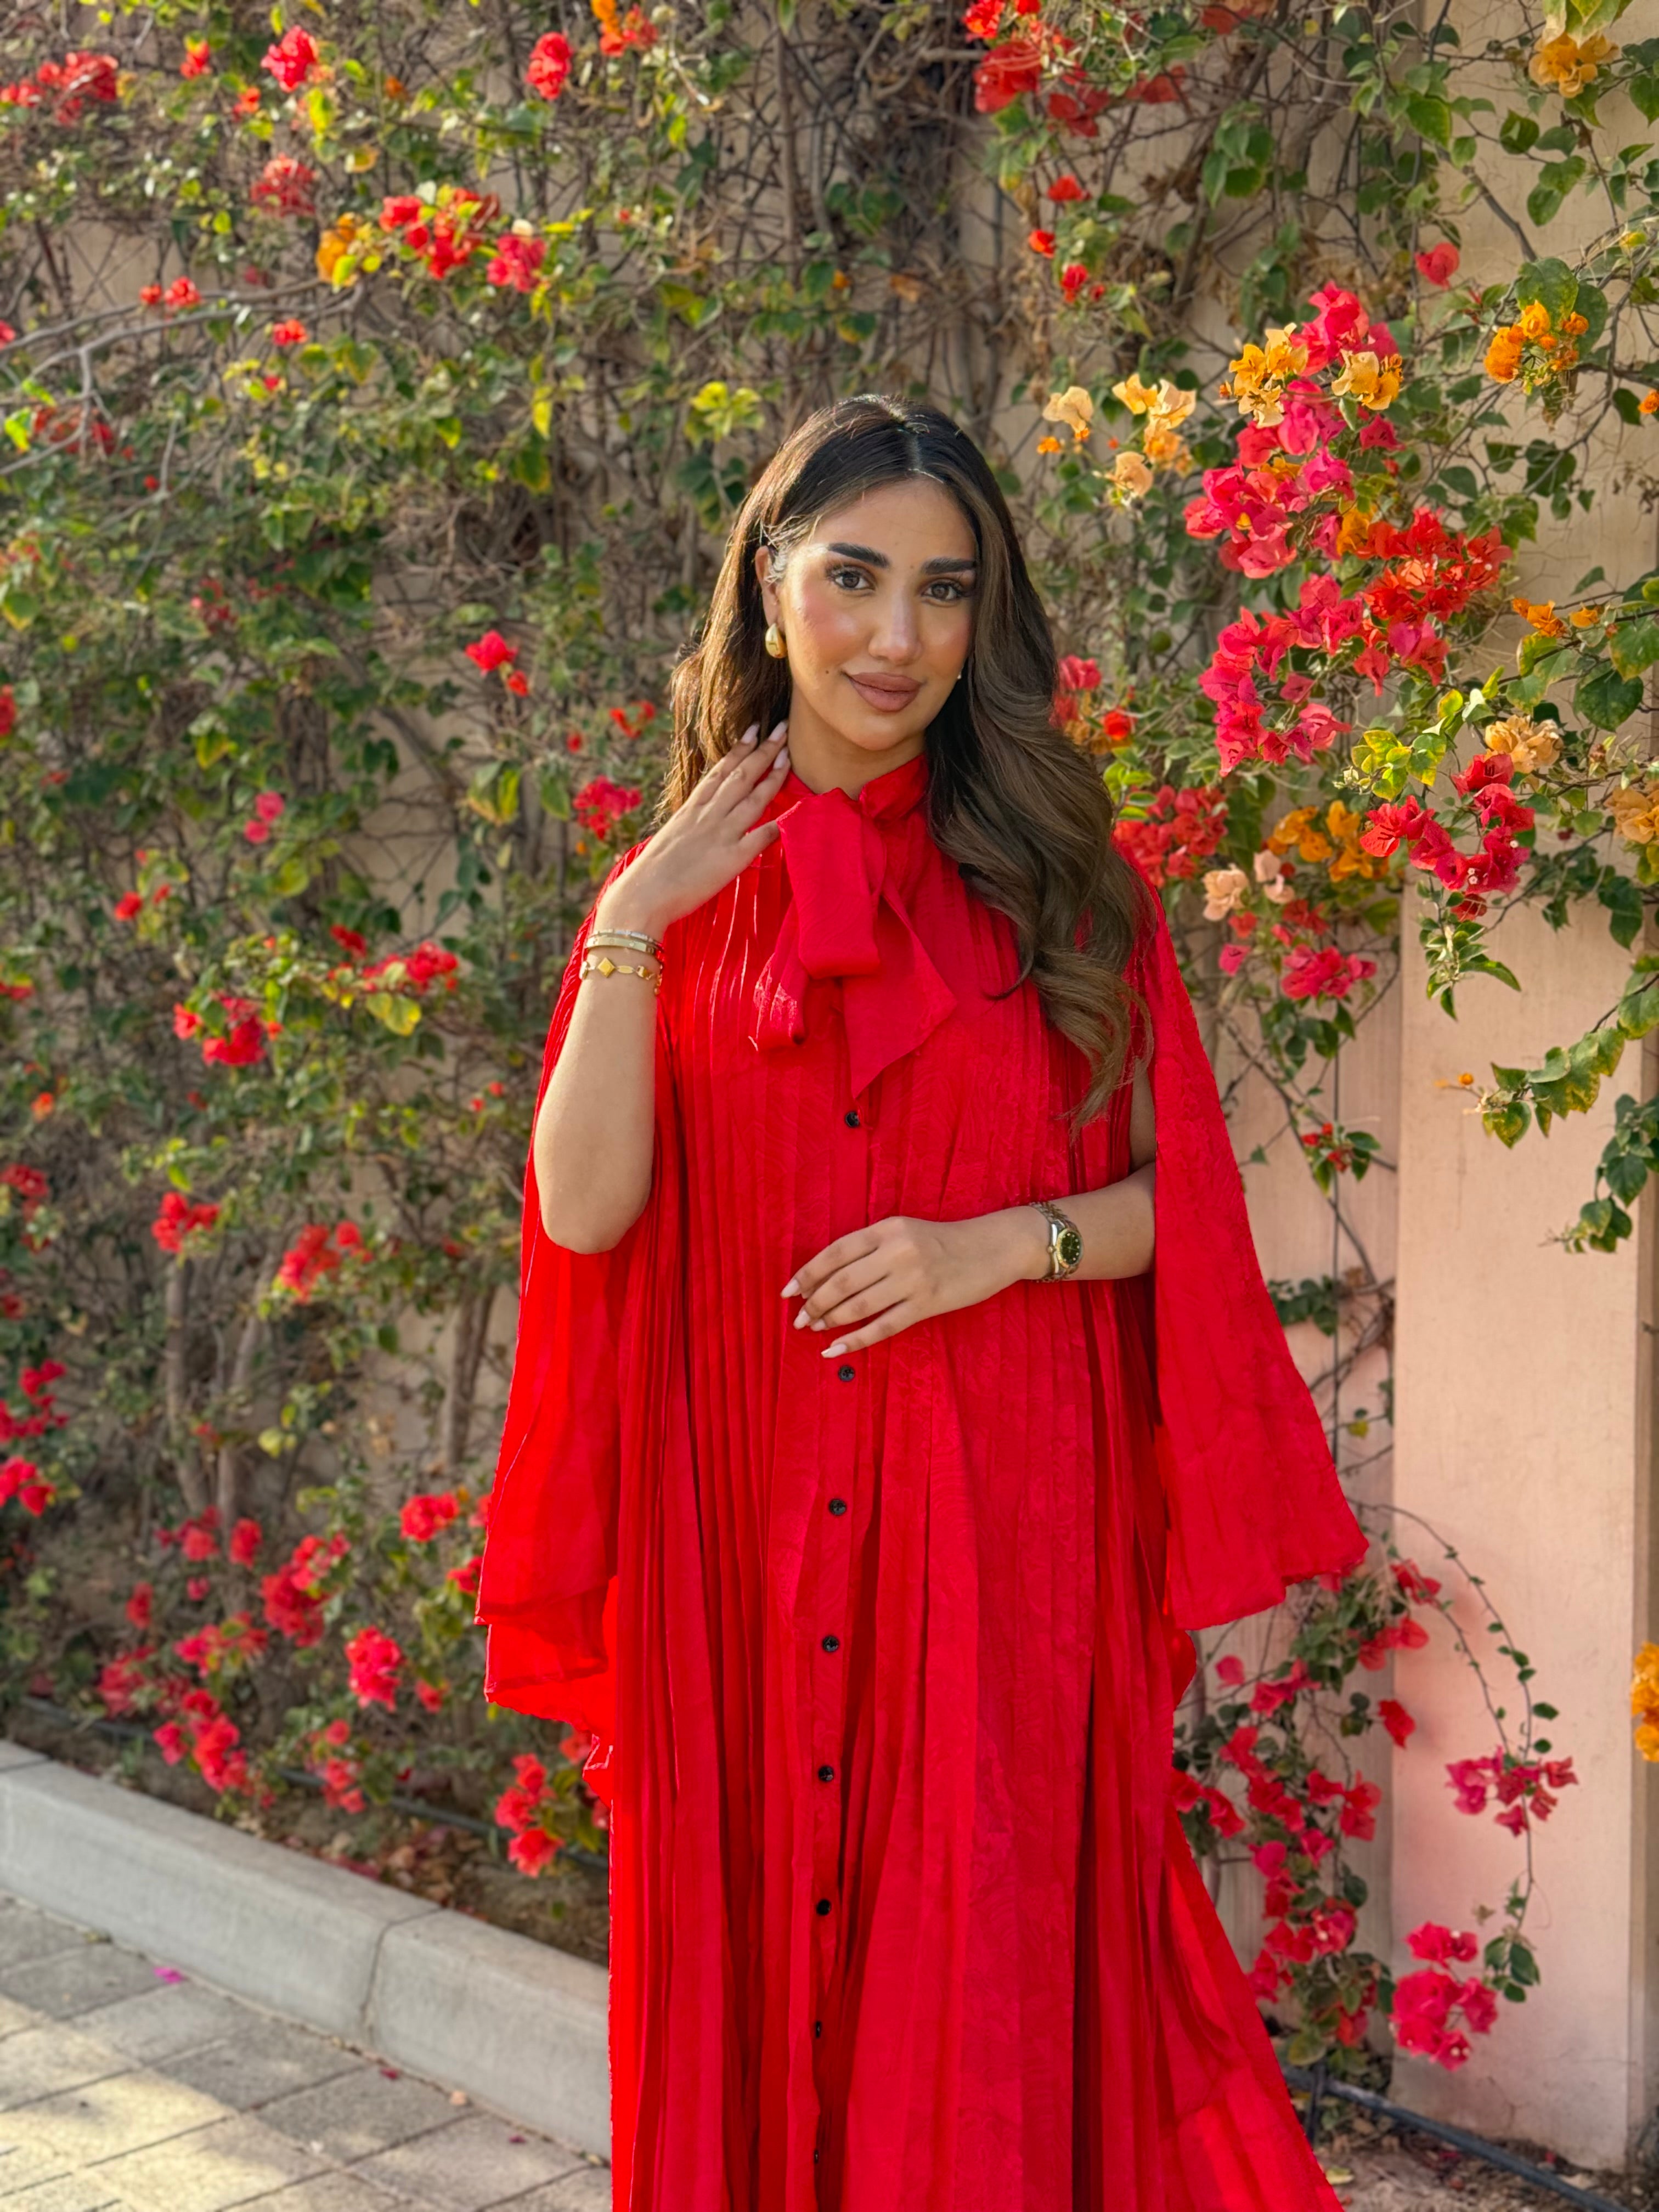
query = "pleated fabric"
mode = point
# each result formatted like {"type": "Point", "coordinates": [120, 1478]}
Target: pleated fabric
{"type": "Point", "coordinates": [882, 1651]}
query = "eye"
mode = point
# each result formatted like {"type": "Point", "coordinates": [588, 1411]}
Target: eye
{"type": "Point", "coordinates": [846, 578]}
{"type": "Point", "coordinates": [954, 591]}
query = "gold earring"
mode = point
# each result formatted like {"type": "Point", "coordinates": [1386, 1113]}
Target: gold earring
{"type": "Point", "coordinates": [774, 644]}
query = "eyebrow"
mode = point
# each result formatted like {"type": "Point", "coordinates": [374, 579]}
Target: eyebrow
{"type": "Point", "coordinates": [945, 564]}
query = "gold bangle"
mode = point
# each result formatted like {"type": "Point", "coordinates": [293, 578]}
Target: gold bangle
{"type": "Point", "coordinates": [603, 965]}
{"type": "Point", "coordinates": [631, 940]}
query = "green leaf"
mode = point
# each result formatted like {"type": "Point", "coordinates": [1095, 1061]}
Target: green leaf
{"type": "Point", "coordinates": [1605, 699]}
{"type": "Point", "coordinates": [1429, 116]}
{"type": "Point", "coordinates": [1555, 181]}
{"type": "Point", "coordinates": [1517, 134]}
{"type": "Point", "coordinates": [1634, 646]}
{"type": "Point", "coordinates": [1550, 284]}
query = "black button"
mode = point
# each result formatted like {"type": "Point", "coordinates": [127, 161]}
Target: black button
{"type": "Point", "coordinates": [851, 1118]}
{"type": "Point", "coordinates": [818, 2027]}
{"type": "Point", "coordinates": [838, 1506]}
{"type": "Point", "coordinates": [832, 1643]}
{"type": "Point", "coordinates": [826, 1774]}
{"type": "Point", "coordinates": [845, 1374]}
{"type": "Point", "coordinates": [824, 1907]}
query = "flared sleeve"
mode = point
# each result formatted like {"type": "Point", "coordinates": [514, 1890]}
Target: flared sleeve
{"type": "Point", "coordinates": [1253, 1502]}
{"type": "Point", "coordinates": [550, 1553]}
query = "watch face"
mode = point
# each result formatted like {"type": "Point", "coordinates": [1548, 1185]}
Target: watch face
{"type": "Point", "coordinates": [1069, 1246]}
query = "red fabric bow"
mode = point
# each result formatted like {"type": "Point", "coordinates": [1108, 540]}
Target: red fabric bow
{"type": "Point", "coordinates": [847, 922]}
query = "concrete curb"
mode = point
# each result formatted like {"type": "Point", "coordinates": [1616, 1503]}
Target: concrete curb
{"type": "Point", "coordinates": [518, 2026]}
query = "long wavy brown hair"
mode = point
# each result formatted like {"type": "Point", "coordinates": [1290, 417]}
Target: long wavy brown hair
{"type": "Point", "coordinates": [1011, 800]}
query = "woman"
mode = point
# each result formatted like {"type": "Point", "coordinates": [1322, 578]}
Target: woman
{"type": "Point", "coordinates": [838, 1496]}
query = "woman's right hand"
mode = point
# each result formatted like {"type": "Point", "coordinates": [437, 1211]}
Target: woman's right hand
{"type": "Point", "coordinates": [712, 838]}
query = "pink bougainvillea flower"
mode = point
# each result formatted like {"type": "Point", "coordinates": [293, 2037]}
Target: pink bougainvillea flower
{"type": "Point", "coordinates": [269, 805]}
{"type": "Point", "coordinates": [374, 1659]}
{"type": "Point", "coordinates": [549, 65]}
{"type": "Point", "coordinates": [285, 186]}
{"type": "Point", "coordinates": [516, 260]}
{"type": "Point", "coordinates": [1440, 1946]}
{"type": "Point", "coordinates": [1076, 674]}
{"type": "Point", "coordinates": [292, 59]}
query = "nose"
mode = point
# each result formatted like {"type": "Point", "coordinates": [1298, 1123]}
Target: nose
{"type": "Point", "coordinates": [894, 636]}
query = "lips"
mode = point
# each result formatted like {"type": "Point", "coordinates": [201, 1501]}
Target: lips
{"type": "Point", "coordinates": [886, 694]}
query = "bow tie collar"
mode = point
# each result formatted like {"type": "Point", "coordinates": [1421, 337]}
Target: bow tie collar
{"type": "Point", "coordinates": [847, 921]}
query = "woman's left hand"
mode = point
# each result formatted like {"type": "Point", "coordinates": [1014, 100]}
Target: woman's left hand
{"type": "Point", "coordinates": [881, 1279]}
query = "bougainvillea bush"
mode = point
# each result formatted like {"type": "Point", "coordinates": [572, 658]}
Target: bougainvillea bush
{"type": "Point", "coordinates": [377, 388]}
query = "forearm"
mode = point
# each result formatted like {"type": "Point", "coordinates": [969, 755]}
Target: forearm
{"type": "Point", "coordinates": [595, 1131]}
{"type": "Point", "coordinates": [1116, 1222]}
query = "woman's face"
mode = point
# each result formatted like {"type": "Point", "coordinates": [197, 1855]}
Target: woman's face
{"type": "Point", "coordinates": [877, 611]}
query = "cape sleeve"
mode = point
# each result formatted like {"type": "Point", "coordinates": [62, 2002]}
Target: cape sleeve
{"type": "Point", "coordinates": [550, 1551]}
{"type": "Point", "coordinates": [1252, 1499]}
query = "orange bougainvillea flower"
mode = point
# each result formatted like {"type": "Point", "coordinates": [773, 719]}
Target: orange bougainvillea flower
{"type": "Point", "coordinates": [1504, 353]}
{"type": "Point", "coordinates": [1541, 616]}
{"type": "Point", "coordinates": [1567, 64]}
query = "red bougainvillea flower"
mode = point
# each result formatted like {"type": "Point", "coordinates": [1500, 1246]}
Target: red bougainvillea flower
{"type": "Point", "coordinates": [631, 720]}
{"type": "Point", "coordinates": [1076, 674]}
{"type": "Point", "coordinates": [549, 65]}
{"type": "Point", "coordinates": [1440, 1946]}
{"type": "Point", "coordinates": [1399, 1723]}
{"type": "Point", "coordinates": [1117, 726]}
{"type": "Point", "coordinates": [1322, 972]}
{"type": "Point", "coordinates": [1423, 2005]}
{"type": "Point", "coordinates": [292, 1595]}
{"type": "Point", "coordinates": [1439, 264]}
{"type": "Point", "coordinates": [600, 805]}
{"type": "Point", "coordinates": [490, 651]}
{"type": "Point", "coordinates": [77, 79]}
{"type": "Point", "coordinates": [180, 1217]}
{"type": "Point", "coordinates": [269, 805]}
{"type": "Point", "coordinates": [20, 1479]}
{"type": "Point", "coordinates": [181, 293]}
{"type": "Point", "coordinates": [413, 970]}
{"type": "Point", "coordinates": [186, 1021]}
{"type": "Point", "coordinates": [289, 333]}
{"type": "Point", "coordinates": [292, 59]}
{"type": "Point", "coordinates": [517, 258]}
{"type": "Point", "coordinates": [348, 940]}
{"type": "Point", "coordinates": [984, 19]}
{"type": "Point", "coordinates": [1179, 831]}
{"type": "Point", "coordinates": [244, 1042]}
{"type": "Point", "coordinates": [466, 1577]}
{"type": "Point", "coordinates": [1006, 74]}
{"type": "Point", "coordinates": [445, 232]}
{"type": "Point", "coordinates": [1073, 278]}
{"type": "Point", "coordinates": [246, 1539]}
{"type": "Point", "coordinates": [1066, 188]}
{"type": "Point", "coordinates": [128, 907]}
{"type": "Point", "coordinates": [433, 1695]}
{"type": "Point", "coordinates": [373, 1658]}
{"type": "Point", "coordinates": [285, 186]}
{"type": "Point", "coordinates": [121, 1681]}
{"type": "Point", "coordinates": [315, 1254]}
{"type": "Point", "coordinates": [521, 1809]}
{"type": "Point", "coordinates": [616, 36]}
{"type": "Point", "coordinates": [198, 59]}
{"type": "Point", "coordinates": [1420, 1588]}
{"type": "Point", "coordinates": [1040, 241]}
{"type": "Point", "coordinates": [140, 1605]}
{"type": "Point", "coordinates": [424, 1516]}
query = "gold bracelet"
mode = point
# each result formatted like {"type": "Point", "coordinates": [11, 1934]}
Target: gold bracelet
{"type": "Point", "coordinates": [630, 940]}
{"type": "Point", "coordinates": [603, 965]}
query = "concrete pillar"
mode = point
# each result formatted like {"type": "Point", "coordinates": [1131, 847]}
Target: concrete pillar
{"type": "Point", "coordinates": [1524, 1436]}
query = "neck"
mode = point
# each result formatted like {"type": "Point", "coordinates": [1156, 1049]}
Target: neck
{"type": "Point", "coordinates": [826, 761]}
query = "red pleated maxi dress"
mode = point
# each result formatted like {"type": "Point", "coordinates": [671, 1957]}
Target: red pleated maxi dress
{"type": "Point", "coordinates": [883, 1651]}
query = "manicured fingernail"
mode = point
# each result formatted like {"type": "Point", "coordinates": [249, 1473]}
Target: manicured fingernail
{"type": "Point", "coordinates": [802, 1318]}
{"type": "Point", "coordinates": [791, 1288]}
{"type": "Point", "coordinates": [750, 734]}
{"type": "Point", "coordinates": [830, 1350]}
{"type": "Point", "coordinates": [780, 730]}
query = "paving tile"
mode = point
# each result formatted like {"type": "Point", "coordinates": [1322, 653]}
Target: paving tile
{"type": "Point", "coordinates": [587, 2191]}
{"type": "Point", "coordinates": [478, 2161]}
{"type": "Point", "coordinates": [211, 2168]}
{"type": "Point", "coordinates": [103, 2118]}
{"type": "Point", "coordinates": [25, 2165]}
{"type": "Point", "coordinates": [26, 1933]}
{"type": "Point", "coordinates": [15, 2016]}
{"type": "Point", "coordinates": [166, 2018]}
{"type": "Point", "coordinates": [68, 1982]}
{"type": "Point", "coordinates": [331, 2193]}
{"type": "Point", "coordinates": [52, 2057]}
{"type": "Point", "coordinates": [70, 2192]}
{"type": "Point", "coordinates": [359, 2112]}
{"type": "Point", "coordinates": [265, 2058]}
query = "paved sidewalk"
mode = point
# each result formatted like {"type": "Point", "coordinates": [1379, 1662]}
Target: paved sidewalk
{"type": "Point", "coordinates": [124, 2087]}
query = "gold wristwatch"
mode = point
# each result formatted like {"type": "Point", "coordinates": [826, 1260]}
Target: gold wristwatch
{"type": "Point", "coordinates": [1065, 1241]}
